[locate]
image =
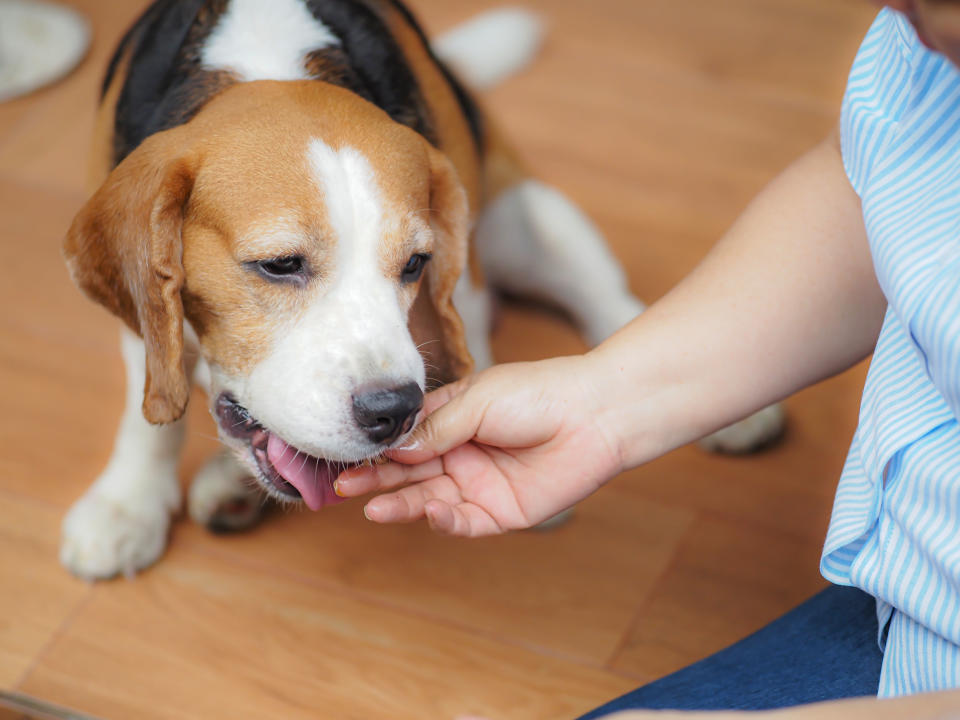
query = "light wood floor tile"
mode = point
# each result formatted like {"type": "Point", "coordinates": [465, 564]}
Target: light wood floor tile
{"type": "Point", "coordinates": [570, 591]}
{"type": "Point", "coordinates": [728, 580]}
{"type": "Point", "coordinates": [786, 489]}
{"type": "Point", "coordinates": [36, 287]}
{"type": "Point", "coordinates": [37, 596]}
{"type": "Point", "coordinates": [203, 639]}
{"type": "Point", "coordinates": [59, 365]}
{"type": "Point", "coordinates": [11, 112]}
{"type": "Point", "coordinates": [49, 146]}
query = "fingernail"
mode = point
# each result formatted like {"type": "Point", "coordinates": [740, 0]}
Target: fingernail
{"type": "Point", "coordinates": [366, 512]}
{"type": "Point", "coordinates": [336, 488]}
{"type": "Point", "coordinates": [408, 446]}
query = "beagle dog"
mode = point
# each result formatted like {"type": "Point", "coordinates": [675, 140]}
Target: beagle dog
{"type": "Point", "coordinates": [298, 204]}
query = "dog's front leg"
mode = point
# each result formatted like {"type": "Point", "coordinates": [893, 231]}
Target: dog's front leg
{"type": "Point", "coordinates": [120, 525]}
{"type": "Point", "coordinates": [223, 497]}
{"type": "Point", "coordinates": [533, 241]}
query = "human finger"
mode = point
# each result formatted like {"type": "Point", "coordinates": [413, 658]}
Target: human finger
{"type": "Point", "coordinates": [367, 479]}
{"type": "Point", "coordinates": [441, 396]}
{"type": "Point", "coordinates": [451, 425]}
{"type": "Point", "coordinates": [407, 504]}
{"type": "Point", "coordinates": [463, 520]}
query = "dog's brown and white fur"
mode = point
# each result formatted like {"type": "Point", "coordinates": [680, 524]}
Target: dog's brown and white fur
{"type": "Point", "coordinates": [256, 229]}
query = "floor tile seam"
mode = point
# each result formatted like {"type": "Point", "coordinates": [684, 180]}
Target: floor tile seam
{"type": "Point", "coordinates": [644, 603]}
{"type": "Point", "coordinates": [55, 636]}
{"type": "Point", "coordinates": [727, 517]}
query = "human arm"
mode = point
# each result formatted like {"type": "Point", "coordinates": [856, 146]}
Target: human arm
{"type": "Point", "coordinates": [787, 297]}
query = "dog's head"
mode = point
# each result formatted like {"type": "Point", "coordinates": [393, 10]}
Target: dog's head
{"type": "Point", "coordinates": [313, 245]}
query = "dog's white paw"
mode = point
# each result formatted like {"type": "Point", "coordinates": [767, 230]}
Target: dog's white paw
{"type": "Point", "coordinates": [759, 430]}
{"type": "Point", "coordinates": [103, 537]}
{"type": "Point", "coordinates": [222, 496]}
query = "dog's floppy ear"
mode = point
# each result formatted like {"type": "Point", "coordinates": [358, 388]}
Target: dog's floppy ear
{"type": "Point", "coordinates": [124, 250]}
{"type": "Point", "coordinates": [435, 323]}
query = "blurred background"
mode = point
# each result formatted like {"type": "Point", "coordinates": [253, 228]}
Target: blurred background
{"type": "Point", "coordinates": [661, 118]}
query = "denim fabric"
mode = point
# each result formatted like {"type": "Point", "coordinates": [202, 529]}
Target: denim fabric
{"type": "Point", "coordinates": [823, 650]}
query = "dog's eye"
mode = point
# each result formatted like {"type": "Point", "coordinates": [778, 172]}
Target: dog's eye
{"type": "Point", "coordinates": [282, 266]}
{"type": "Point", "coordinates": [414, 267]}
{"type": "Point", "coordinates": [292, 267]}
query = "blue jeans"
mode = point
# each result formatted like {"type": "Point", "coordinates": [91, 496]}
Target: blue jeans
{"type": "Point", "coordinates": [823, 650]}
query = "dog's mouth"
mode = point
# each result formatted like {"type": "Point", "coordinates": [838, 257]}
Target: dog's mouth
{"type": "Point", "coordinates": [285, 472]}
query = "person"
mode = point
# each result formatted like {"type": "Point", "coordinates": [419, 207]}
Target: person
{"type": "Point", "coordinates": [854, 249]}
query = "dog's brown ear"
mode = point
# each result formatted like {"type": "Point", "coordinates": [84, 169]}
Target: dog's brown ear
{"type": "Point", "coordinates": [435, 323]}
{"type": "Point", "coordinates": [124, 250]}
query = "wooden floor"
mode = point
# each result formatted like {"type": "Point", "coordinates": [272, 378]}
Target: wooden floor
{"type": "Point", "coordinates": [661, 118]}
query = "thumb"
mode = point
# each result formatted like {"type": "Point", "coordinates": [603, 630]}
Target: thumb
{"type": "Point", "coordinates": [442, 395]}
{"type": "Point", "coordinates": [452, 424]}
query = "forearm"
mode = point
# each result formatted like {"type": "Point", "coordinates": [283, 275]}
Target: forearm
{"type": "Point", "coordinates": [931, 706]}
{"type": "Point", "coordinates": [786, 298]}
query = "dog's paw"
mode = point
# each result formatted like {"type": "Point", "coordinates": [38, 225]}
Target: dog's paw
{"type": "Point", "coordinates": [760, 430]}
{"type": "Point", "coordinates": [103, 537]}
{"type": "Point", "coordinates": [222, 496]}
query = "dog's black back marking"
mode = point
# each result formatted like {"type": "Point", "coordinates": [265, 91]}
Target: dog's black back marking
{"type": "Point", "coordinates": [379, 72]}
{"type": "Point", "coordinates": [163, 71]}
{"type": "Point", "coordinates": [467, 104]}
{"type": "Point", "coordinates": [165, 84]}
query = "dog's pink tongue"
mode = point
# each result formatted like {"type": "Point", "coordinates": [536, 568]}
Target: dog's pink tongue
{"type": "Point", "coordinates": [312, 477]}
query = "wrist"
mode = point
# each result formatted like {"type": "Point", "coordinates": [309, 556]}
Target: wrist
{"type": "Point", "coordinates": [629, 406]}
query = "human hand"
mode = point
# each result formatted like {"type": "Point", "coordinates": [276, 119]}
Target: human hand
{"type": "Point", "coordinates": [502, 450]}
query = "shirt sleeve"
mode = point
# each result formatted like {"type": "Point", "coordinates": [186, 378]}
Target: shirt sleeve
{"type": "Point", "coordinates": [878, 93]}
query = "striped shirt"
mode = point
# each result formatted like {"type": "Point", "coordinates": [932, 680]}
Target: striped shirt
{"type": "Point", "coordinates": [895, 530]}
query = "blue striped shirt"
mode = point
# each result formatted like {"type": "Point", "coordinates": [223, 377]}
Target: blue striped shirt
{"type": "Point", "coordinates": [895, 530]}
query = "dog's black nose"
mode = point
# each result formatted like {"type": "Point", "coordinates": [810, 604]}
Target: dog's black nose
{"type": "Point", "coordinates": [385, 414]}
